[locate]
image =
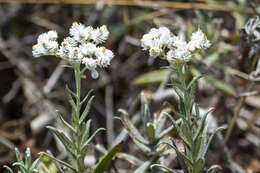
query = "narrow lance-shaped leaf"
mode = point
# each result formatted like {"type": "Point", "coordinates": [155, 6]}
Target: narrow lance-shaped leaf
{"type": "Point", "coordinates": [202, 124]}
{"type": "Point", "coordinates": [130, 158]}
{"type": "Point", "coordinates": [145, 112]}
{"type": "Point", "coordinates": [8, 168]}
{"type": "Point", "coordinates": [70, 147]}
{"type": "Point", "coordinates": [132, 131]}
{"type": "Point", "coordinates": [211, 138]}
{"type": "Point", "coordinates": [27, 158]}
{"type": "Point", "coordinates": [198, 167]}
{"type": "Point", "coordinates": [180, 133]}
{"type": "Point", "coordinates": [169, 170]}
{"type": "Point", "coordinates": [86, 132]}
{"type": "Point", "coordinates": [142, 147]}
{"type": "Point", "coordinates": [104, 163]}
{"type": "Point", "coordinates": [195, 79]}
{"type": "Point", "coordinates": [18, 156]}
{"type": "Point", "coordinates": [187, 160]}
{"type": "Point", "coordinates": [65, 122]}
{"type": "Point", "coordinates": [85, 145]}
{"type": "Point", "coordinates": [69, 98]}
{"type": "Point", "coordinates": [86, 110]}
{"type": "Point", "coordinates": [213, 167]}
{"type": "Point", "coordinates": [151, 132]}
{"type": "Point", "coordinates": [160, 125]}
{"type": "Point", "coordinates": [21, 166]}
{"type": "Point", "coordinates": [86, 97]}
{"type": "Point", "coordinates": [36, 163]}
{"type": "Point", "coordinates": [144, 167]}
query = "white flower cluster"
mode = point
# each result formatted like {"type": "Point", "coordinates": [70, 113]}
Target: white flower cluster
{"type": "Point", "coordinates": [81, 46]}
{"type": "Point", "coordinates": [158, 41]}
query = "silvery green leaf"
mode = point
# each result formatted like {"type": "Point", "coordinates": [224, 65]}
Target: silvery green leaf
{"type": "Point", "coordinates": [86, 97]}
{"type": "Point", "coordinates": [145, 112]}
{"type": "Point", "coordinates": [85, 145]}
{"type": "Point", "coordinates": [195, 79]}
{"type": "Point", "coordinates": [150, 132]}
{"type": "Point", "coordinates": [160, 125]}
{"type": "Point", "coordinates": [70, 147]}
{"type": "Point", "coordinates": [36, 163]}
{"type": "Point", "coordinates": [69, 98]}
{"type": "Point", "coordinates": [86, 110]}
{"type": "Point", "coordinates": [180, 154]}
{"type": "Point", "coordinates": [104, 163]}
{"type": "Point", "coordinates": [202, 124]}
{"type": "Point", "coordinates": [132, 131]}
{"type": "Point", "coordinates": [197, 116]}
{"type": "Point", "coordinates": [196, 149]}
{"type": "Point", "coordinates": [144, 167]}
{"type": "Point", "coordinates": [86, 132]}
{"type": "Point", "coordinates": [65, 122]}
{"type": "Point", "coordinates": [211, 138]}
{"type": "Point", "coordinates": [165, 132]}
{"type": "Point", "coordinates": [198, 167]}
{"type": "Point", "coordinates": [18, 156]}
{"type": "Point", "coordinates": [180, 133]}
{"type": "Point", "coordinates": [130, 158]}
{"type": "Point", "coordinates": [142, 147]}
{"type": "Point", "coordinates": [186, 131]}
{"type": "Point", "coordinates": [8, 168]}
{"type": "Point", "coordinates": [169, 170]}
{"type": "Point", "coordinates": [203, 143]}
{"type": "Point", "coordinates": [213, 167]}
{"type": "Point", "coordinates": [21, 166]}
{"type": "Point", "coordinates": [27, 158]}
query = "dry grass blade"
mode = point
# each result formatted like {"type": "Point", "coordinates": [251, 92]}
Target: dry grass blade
{"type": "Point", "coordinates": [175, 5]}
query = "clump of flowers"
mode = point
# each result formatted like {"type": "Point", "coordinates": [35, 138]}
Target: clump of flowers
{"type": "Point", "coordinates": [83, 46]}
{"type": "Point", "coordinates": [82, 51]}
{"type": "Point", "coordinates": [161, 42]}
{"type": "Point", "coordinates": [190, 128]}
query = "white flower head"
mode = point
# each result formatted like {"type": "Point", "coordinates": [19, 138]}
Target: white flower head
{"type": "Point", "coordinates": [65, 47]}
{"type": "Point", "coordinates": [198, 41]}
{"type": "Point", "coordinates": [75, 54]}
{"type": "Point", "coordinates": [90, 63]}
{"type": "Point", "coordinates": [155, 51]}
{"type": "Point", "coordinates": [156, 38]}
{"type": "Point", "coordinates": [178, 54]}
{"type": "Point", "coordinates": [80, 32]}
{"type": "Point", "coordinates": [100, 34]}
{"type": "Point", "coordinates": [52, 35]}
{"type": "Point", "coordinates": [46, 44]}
{"type": "Point", "coordinates": [104, 56]}
{"type": "Point", "coordinates": [88, 49]}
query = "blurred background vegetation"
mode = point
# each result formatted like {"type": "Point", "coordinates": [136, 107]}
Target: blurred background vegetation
{"type": "Point", "coordinates": [32, 89]}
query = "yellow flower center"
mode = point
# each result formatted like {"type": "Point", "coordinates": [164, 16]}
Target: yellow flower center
{"type": "Point", "coordinates": [103, 48]}
{"type": "Point", "coordinates": [74, 23]}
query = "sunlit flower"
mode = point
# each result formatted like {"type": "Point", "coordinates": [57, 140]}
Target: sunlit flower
{"type": "Point", "coordinates": [82, 46]}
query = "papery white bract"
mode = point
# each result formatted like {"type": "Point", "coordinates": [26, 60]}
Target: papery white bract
{"type": "Point", "coordinates": [82, 46]}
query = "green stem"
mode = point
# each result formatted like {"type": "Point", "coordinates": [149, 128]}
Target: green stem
{"type": "Point", "coordinates": [78, 137]}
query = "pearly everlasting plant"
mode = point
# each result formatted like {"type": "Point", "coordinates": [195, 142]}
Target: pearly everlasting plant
{"type": "Point", "coordinates": [189, 126]}
{"type": "Point", "coordinates": [83, 46]}
{"type": "Point", "coordinates": [82, 50]}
